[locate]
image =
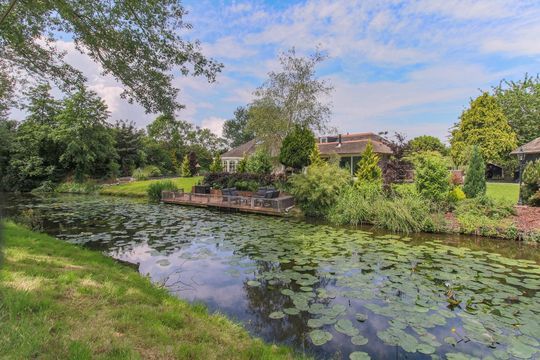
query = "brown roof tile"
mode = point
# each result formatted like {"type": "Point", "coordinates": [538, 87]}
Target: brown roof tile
{"type": "Point", "coordinates": [242, 150]}
{"type": "Point", "coordinates": [352, 147]}
{"type": "Point", "coordinates": [532, 147]}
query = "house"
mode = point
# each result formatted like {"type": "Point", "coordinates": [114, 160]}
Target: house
{"type": "Point", "coordinates": [531, 150]}
{"type": "Point", "coordinates": [347, 147]}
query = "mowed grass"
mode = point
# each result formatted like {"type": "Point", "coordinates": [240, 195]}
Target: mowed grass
{"type": "Point", "coordinates": [60, 301]}
{"type": "Point", "coordinates": [508, 192]}
{"type": "Point", "coordinates": [139, 188]}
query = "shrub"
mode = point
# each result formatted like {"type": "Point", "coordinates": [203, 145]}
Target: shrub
{"type": "Point", "coordinates": [432, 178]}
{"type": "Point", "coordinates": [484, 216]}
{"type": "Point", "coordinates": [241, 166]}
{"type": "Point", "coordinates": [223, 180]}
{"type": "Point", "coordinates": [456, 195]}
{"type": "Point", "coordinates": [87, 187]}
{"type": "Point", "coordinates": [216, 166]}
{"type": "Point", "coordinates": [354, 205]}
{"type": "Point", "coordinates": [475, 179]}
{"type": "Point", "coordinates": [259, 162]}
{"type": "Point", "coordinates": [531, 182]}
{"type": "Point", "coordinates": [296, 148]}
{"type": "Point", "coordinates": [246, 185]}
{"type": "Point", "coordinates": [146, 172]}
{"type": "Point", "coordinates": [535, 199]}
{"type": "Point", "coordinates": [155, 189]}
{"type": "Point", "coordinates": [45, 187]}
{"type": "Point", "coordinates": [368, 167]}
{"type": "Point", "coordinates": [185, 169]}
{"type": "Point", "coordinates": [402, 214]}
{"type": "Point", "coordinates": [318, 188]}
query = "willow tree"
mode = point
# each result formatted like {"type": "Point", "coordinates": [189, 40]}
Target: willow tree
{"type": "Point", "coordinates": [139, 43]}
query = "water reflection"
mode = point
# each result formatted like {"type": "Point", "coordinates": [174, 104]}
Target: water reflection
{"type": "Point", "coordinates": [299, 284]}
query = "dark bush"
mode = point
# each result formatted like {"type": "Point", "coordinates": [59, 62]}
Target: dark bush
{"type": "Point", "coordinates": [222, 180]}
{"type": "Point", "coordinates": [155, 189]}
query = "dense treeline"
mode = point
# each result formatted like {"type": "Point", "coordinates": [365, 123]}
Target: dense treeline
{"type": "Point", "coordinates": [72, 139]}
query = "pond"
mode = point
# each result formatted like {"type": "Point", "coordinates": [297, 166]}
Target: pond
{"type": "Point", "coordinates": [326, 291]}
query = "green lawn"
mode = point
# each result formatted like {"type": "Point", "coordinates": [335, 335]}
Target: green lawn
{"type": "Point", "coordinates": [503, 191]}
{"type": "Point", "coordinates": [139, 188]}
{"type": "Point", "coordinates": [60, 301]}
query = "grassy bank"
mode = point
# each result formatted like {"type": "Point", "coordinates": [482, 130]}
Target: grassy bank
{"type": "Point", "coordinates": [64, 302]}
{"type": "Point", "coordinates": [503, 191]}
{"type": "Point", "coordinates": [140, 188]}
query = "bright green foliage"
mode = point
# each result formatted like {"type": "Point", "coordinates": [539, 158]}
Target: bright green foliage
{"type": "Point", "coordinates": [139, 43]}
{"type": "Point", "coordinates": [241, 166]}
{"type": "Point", "coordinates": [146, 172]}
{"type": "Point", "coordinates": [520, 101]}
{"type": "Point", "coordinates": [317, 189]}
{"type": "Point", "coordinates": [369, 170]}
{"type": "Point", "coordinates": [531, 180]}
{"type": "Point", "coordinates": [456, 195]}
{"type": "Point", "coordinates": [484, 216]}
{"type": "Point", "coordinates": [432, 178]}
{"type": "Point", "coordinates": [140, 188]}
{"type": "Point", "coordinates": [155, 189]}
{"type": "Point", "coordinates": [426, 143]}
{"type": "Point", "coordinates": [485, 125]}
{"type": "Point", "coordinates": [236, 131]}
{"type": "Point", "coordinates": [82, 127]}
{"type": "Point", "coordinates": [475, 178]}
{"type": "Point", "coordinates": [297, 147]}
{"type": "Point", "coordinates": [216, 165]}
{"type": "Point", "coordinates": [259, 162]}
{"type": "Point", "coordinates": [315, 155]}
{"type": "Point", "coordinates": [185, 169]}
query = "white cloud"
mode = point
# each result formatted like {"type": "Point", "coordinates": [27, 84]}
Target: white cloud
{"type": "Point", "coordinates": [214, 124]}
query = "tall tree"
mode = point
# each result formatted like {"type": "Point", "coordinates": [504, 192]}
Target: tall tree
{"type": "Point", "coordinates": [140, 43]}
{"type": "Point", "coordinates": [484, 125]}
{"type": "Point", "coordinates": [520, 101]}
{"type": "Point", "coordinates": [297, 147]}
{"type": "Point", "coordinates": [426, 143]}
{"type": "Point", "coordinates": [292, 96]}
{"type": "Point", "coordinates": [235, 130]}
{"type": "Point", "coordinates": [89, 142]}
{"type": "Point", "coordinates": [129, 144]}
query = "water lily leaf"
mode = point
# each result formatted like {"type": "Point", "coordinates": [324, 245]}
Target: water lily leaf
{"type": "Point", "coordinates": [359, 355]}
{"type": "Point", "coordinates": [320, 337]}
{"type": "Point", "coordinates": [253, 283]}
{"type": "Point", "coordinates": [521, 351]}
{"type": "Point", "coordinates": [361, 317]}
{"type": "Point", "coordinates": [346, 327]}
{"type": "Point", "coordinates": [291, 311]}
{"type": "Point", "coordinates": [359, 340]}
{"type": "Point", "coordinates": [276, 315]}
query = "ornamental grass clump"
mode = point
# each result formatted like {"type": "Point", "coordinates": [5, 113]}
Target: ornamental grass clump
{"type": "Point", "coordinates": [155, 189]}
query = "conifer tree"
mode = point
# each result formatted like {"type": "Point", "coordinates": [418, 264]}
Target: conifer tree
{"type": "Point", "coordinates": [185, 169]}
{"type": "Point", "coordinates": [369, 170]}
{"type": "Point", "coordinates": [475, 179]}
{"type": "Point", "coordinates": [216, 165]}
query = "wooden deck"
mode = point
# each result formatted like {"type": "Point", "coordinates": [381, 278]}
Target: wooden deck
{"type": "Point", "coordinates": [279, 206]}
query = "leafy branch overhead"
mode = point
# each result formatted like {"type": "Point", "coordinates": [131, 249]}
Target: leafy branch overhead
{"type": "Point", "coordinates": [139, 43]}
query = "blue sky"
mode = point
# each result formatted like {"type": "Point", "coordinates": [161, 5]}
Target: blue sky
{"type": "Point", "coordinates": [407, 66]}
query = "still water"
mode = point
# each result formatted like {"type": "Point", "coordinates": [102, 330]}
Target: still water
{"type": "Point", "coordinates": [328, 292]}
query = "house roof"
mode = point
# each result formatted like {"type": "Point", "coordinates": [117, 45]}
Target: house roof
{"type": "Point", "coordinates": [242, 150]}
{"type": "Point", "coordinates": [352, 147]}
{"type": "Point", "coordinates": [532, 147]}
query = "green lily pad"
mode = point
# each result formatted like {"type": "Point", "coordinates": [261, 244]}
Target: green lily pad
{"type": "Point", "coordinates": [359, 340]}
{"type": "Point", "coordinates": [291, 311]}
{"type": "Point", "coordinates": [276, 315]}
{"type": "Point", "coordinates": [346, 327]}
{"type": "Point", "coordinates": [450, 340]}
{"type": "Point", "coordinates": [253, 283]}
{"type": "Point", "coordinates": [320, 337]}
{"type": "Point", "coordinates": [361, 317]}
{"type": "Point", "coordinates": [359, 355]}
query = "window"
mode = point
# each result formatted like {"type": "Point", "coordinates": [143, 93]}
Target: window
{"type": "Point", "coordinates": [232, 166]}
{"type": "Point", "coordinates": [224, 165]}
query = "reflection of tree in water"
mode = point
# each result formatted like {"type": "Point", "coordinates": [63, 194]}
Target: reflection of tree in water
{"type": "Point", "coordinates": [267, 298]}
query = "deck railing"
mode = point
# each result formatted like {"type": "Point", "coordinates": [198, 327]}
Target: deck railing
{"type": "Point", "coordinates": [278, 205]}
